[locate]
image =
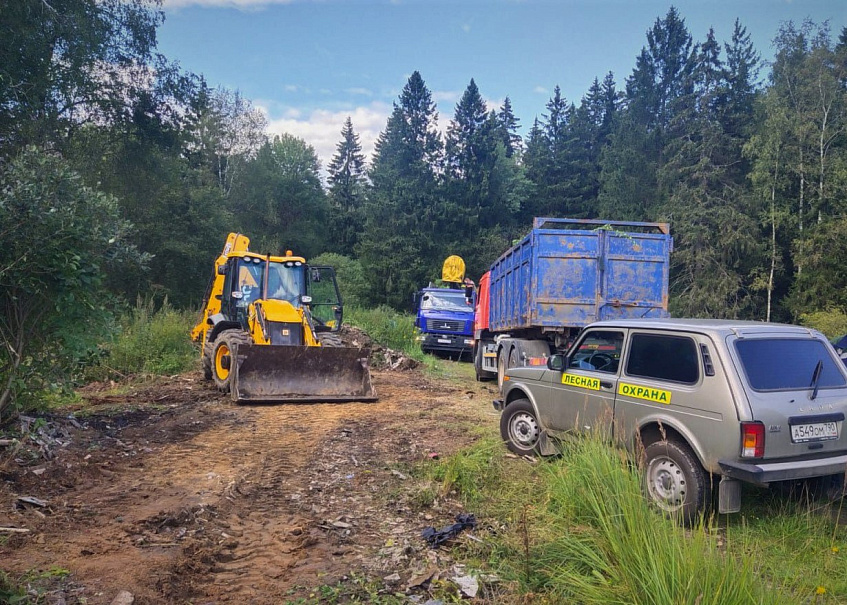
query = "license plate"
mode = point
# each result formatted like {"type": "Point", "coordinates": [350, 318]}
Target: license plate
{"type": "Point", "coordinates": [820, 431]}
{"type": "Point", "coordinates": [445, 341]}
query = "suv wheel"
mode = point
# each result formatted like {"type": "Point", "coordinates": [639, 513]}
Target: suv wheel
{"type": "Point", "coordinates": [519, 427]}
{"type": "Point", "coordinates": [674, 481]}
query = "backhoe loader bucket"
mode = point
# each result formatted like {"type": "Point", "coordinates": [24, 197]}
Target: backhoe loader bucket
{"type": "Point", "coordinates": [301, 374]}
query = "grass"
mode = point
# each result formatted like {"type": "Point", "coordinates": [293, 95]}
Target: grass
{"type": "Point", "coordinates": [150, 341]}
{"type": "Point", "coordinates": [577, 529]}
{"type": "Point", "coordinates": [31, 588]}
{"type": "Point", "coordinates": [387, 327]}
{"type": "Point", "coordinates": [802, 545]}
{"type": "Point", "coordinates": [354, 589]}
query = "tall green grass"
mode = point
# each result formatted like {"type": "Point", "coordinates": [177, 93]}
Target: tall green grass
{"type": "Point", "coordinates": [611, 547]}
{"type": "Point", "coordinates": [150, 340]}
{"type": "Point", "coordinates": [387, 327]}
{"type": "Point", "coordinates": [577, 529]}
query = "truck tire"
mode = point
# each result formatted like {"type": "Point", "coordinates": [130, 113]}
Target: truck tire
{"type": "Point", "coordinates": [329, 339]}
{"type": "Point", "coordinates": [675, 482]}
{"type": "Point", "coordinates": [481, 375]}
{"type": "Point", "coordinates": [222, 357]}
{"type": "Point", "coordinates": [519, 428]}
{"type": "Point", "coordinates": [502, 366]}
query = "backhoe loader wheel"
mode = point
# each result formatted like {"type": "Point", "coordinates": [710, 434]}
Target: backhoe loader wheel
{"type": "Point", "coordinates": [329, 339]}
{"type": "Point", "coordinates": [223, 359]}
{"type": "Point", "coordinates": [208, 359]}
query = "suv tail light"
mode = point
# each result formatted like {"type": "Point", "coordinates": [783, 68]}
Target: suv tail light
{"type": "Point", "coordinates": [752, 439]}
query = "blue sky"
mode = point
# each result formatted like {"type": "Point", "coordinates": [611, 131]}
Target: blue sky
{"type": "Point", "coordinates": [310, 63]}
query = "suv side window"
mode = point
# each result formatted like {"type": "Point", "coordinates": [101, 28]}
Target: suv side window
{"type": "Point", "coordinates": [663, 357]}
{"type": "Point", "coordinates": [599, 350]}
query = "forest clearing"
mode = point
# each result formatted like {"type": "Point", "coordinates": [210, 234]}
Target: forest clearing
{"type": "Point", "coordinates": [174, 494]}
{"type": "Point", "coordinates": [126, 477]}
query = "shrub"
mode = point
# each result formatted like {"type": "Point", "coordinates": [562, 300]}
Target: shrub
{"type": "Point", "coordinates": [350, 275]}
{"type": "Point", "coordinates": [388, 328]}
{"type": "Point", "coordinates": [150, 341]}
{"type": "Point", "coordinates": [832, 322]}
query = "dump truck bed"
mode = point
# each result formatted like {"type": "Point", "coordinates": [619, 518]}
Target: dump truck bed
{"type": "Point", "coordinates": [568, 273]}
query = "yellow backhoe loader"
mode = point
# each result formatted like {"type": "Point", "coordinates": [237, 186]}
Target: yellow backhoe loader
{"type": "Point", "coordinates": [269, 331]}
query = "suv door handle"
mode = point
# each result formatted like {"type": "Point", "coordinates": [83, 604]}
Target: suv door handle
{"type": "Point", "coordinates": [606, 385]}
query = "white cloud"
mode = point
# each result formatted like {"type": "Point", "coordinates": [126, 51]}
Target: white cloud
{"type": "Point", "coordinates": [446, 96]}
{"type": "Point", "coordinates": [244, 5]}
{"type": "Point", "coordinates": [321, 128]}
{"type": "Point", "coordinates": [360, 91]}
{"type": "Point", "coordinates": [494, 104]}
{"type": "Point", "coordinates": [540, 90]}
{"type": "Point", "coordinates": [466, 28]}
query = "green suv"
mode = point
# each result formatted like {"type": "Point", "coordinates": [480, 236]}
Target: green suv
{"type": "Point", "coordinates": [705, 403]}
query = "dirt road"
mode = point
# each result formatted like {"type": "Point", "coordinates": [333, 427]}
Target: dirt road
{"type": "Point", "coordinates": [175, 495]}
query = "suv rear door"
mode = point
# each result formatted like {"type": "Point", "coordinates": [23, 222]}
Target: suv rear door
{"type": "Point", "coordinates": [797, 387]}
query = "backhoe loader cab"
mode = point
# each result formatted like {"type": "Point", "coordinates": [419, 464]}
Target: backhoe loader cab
{"type": "Point", "coordinates": [269, 330]}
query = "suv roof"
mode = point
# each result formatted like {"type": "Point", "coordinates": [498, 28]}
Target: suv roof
{"type": "Point", "coordinates": [712, 326]}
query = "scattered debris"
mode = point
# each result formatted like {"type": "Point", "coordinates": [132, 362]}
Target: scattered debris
{"type": "Point", "coordinates": [123, 598]}
{"type": "Point", "coordinates": [14, 530]}
{"type": "Point", "coordinates": [33, 501]}
{"type": "Point", "coordinates": [436, 538]}
{"type": "Point", "coordinates": [422, 578]}
{"type": "Point", "coordinates": [468, 585]}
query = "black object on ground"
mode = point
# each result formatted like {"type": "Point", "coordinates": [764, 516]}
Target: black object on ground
{"type": "Point", "coordinates": [437, 537]}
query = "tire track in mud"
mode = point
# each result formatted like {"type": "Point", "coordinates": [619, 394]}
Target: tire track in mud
{"type": "Point", "coordinates": [204, 501]}
{"type": "Point", "coordinates": [263, 533]}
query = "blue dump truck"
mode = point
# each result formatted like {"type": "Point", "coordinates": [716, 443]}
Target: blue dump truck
{"type": "Point", "coordinates": [563, 275]}
{"type": "Point", "coordinates": [445, 316]}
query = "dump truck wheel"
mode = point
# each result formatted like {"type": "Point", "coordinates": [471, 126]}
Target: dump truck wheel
{"type": "Point", "coordinates": [222, 359]}
{"type": "Point", "coordinates": [329, 339]}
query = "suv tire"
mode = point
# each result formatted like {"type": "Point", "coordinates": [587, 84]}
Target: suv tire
{"type": "Point", "coordinates": [519, 428]}
{"type": "Point", "coordinates": [675, 482]}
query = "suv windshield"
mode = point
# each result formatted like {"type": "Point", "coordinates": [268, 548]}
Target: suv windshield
{"type": "Point", "coordinates": [452, 300]}
{"type": "Point", "coordinates": [773, 364]}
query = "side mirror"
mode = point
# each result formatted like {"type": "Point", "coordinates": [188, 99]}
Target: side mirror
{"type": "Point", "coordinates": [305, 299]}
{"type": "Point", "coordinates": [556, 363]}
{"type": "Point", "coordinates": [221, 269]}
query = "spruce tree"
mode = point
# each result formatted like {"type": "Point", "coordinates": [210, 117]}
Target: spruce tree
{"type": "Point", "coordinates": [659, 86]}
{"type": "Point", "coordinates": [346, 190]}
{"type": "Point", "coordinates": [508, 124]}
{"type": "Point", "coordinates": [400, 243]}
{"type": "Point", "coordinates": [485, 186]}
{"type": "Point", "coordinates": [535, 160]}
{"type": "Point", "coordinates": [711, 265]}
